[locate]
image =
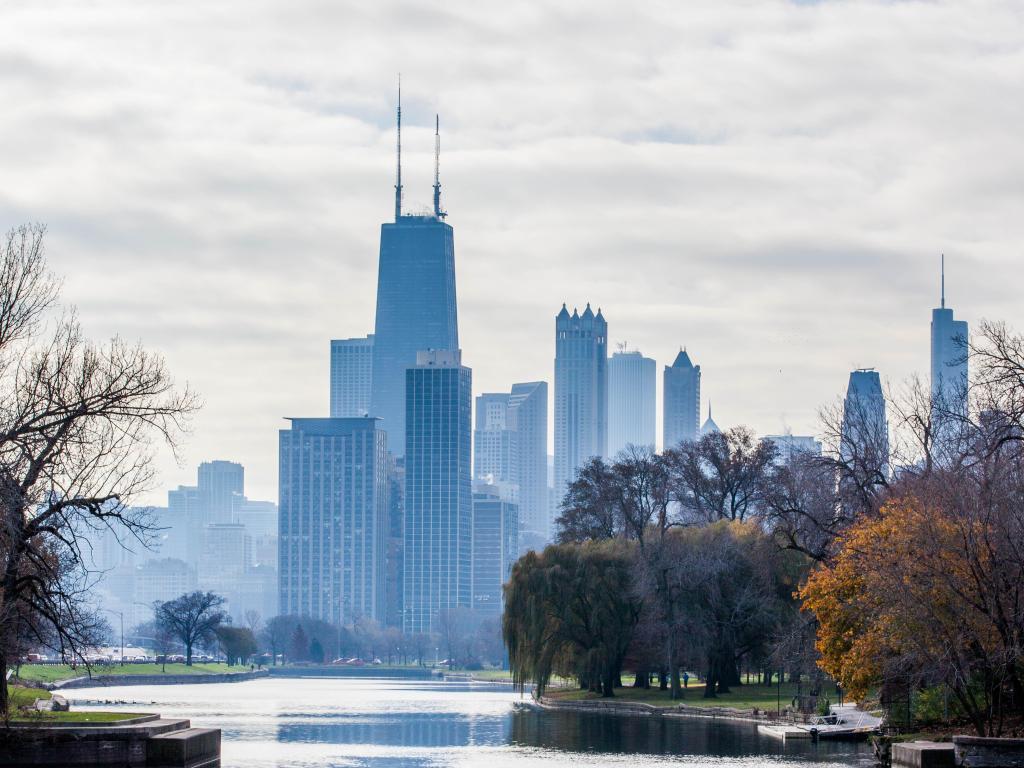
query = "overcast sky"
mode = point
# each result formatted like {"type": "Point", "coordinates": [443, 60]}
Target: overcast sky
{"type": "Point", "coordinates": [767, 183]}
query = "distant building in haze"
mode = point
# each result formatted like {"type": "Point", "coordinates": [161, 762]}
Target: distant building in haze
{"type": "Point", "coordinates": [709, 427]}
{"type": "Point", "coordinates": [949, 367]}
{"type": "Point", "coordinates": [528, 412]}
{"type": "Point", "coordinates": [581, 393]}
{"type": "Point", "coordinates": [865, 429]}
{"type": "Point", "coordinates": [788, 447]}
{"type": "Point", "coordinates": [351, 376]}
{"type": "Point", "coordinates": [416, 303]}
{"type": "Point", "coordinates": [681, 400]}
{"type": "Point", "coordinates": [221, 489]}
{"type": "Point", "coordinates": [632, 404]}
{"type": "Point", "coordinates": [495, 547]}
{"type": "Point", "coordinates": [333, 519]}
{"type": "Point", "coordinates": [494, 444]}
{"type": "Point", "coordinates": [437, 567]}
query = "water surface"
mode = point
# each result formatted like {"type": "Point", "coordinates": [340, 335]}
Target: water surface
{"type": "Point", "coordinates": [385, 723]}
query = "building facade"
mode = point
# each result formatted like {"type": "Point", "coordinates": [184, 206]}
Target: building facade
{"type": "Point", "coordinates": [332, 519]}
{"type": "Point", "coordinates": [351, 377]}
{"type": "Point", "coordinates": [581, 393]}
{"type": "Point", "coordinates": [865, 429]}
{"type": "Point", "coordinates": [632, 403]}
{"type": "Point", "coordinates": [948, 368]}
{"type": "Point", "coordinates": [528, 413]}
{"type": "Point", "coordinates": [494, 443]}
{"type": "Point", "coordinates": [438, 490]}
{"type": "Point", "coordinates": [681, 401]}
{"type": "Point", "coordinates": [495, 548]}
{"type": "Point", "coordinates": [221, 489]}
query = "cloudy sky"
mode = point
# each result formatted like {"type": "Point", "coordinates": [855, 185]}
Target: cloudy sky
{"type": "Point", "coordinates": [767, 183]}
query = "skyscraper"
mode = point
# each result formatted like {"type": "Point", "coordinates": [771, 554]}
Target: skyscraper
{"type": "Point", "coordinates": [581, 393]}
{"type": "Point", "coordinates": [221, 489]}
{"type": "Point", "coordinates": [528, 412]}
{"type": "Point", "coordinates": [632, 408]}
{"type": "Point", "coordinates": [949, 362]}
{"type": "Point", "coordinates": [865, 429]}
{"type": "Point", "coordinates": [437, 567]}
{"type": "Point", "coordinates": [416, 305]}
{"type": "Point", "coordinates": [681, 400]}
{"type": "Point", "coordinates": [495, 547]}
{"type": "Point", "coordinates": [351, 376]}
{"type": "Point", "coordinates": [494, 444]}
{"type": "Point", "coordinates": [333, 518]}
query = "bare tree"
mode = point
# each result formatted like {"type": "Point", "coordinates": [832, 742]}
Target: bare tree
{"type": "Point", "coordinates": [78, 426]}
{"type": "Point", "coordinates": [192, 618]}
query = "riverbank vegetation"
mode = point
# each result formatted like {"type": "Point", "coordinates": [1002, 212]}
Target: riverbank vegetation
{"type": "Point", "coordinates": [893, 561]}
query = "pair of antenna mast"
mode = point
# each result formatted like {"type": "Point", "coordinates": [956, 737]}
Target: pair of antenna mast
{"type": "Point", "coordinates": [437, 163]}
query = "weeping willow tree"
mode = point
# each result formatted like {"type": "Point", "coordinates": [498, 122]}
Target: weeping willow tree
{"type": "Point", "coordinates": [571, 611]}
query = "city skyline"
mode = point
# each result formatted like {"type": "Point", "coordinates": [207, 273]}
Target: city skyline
{"type": "Point", "coordinates": [842, 207]}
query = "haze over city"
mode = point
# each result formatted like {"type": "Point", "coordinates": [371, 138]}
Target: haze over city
{"type": "Point", "coordinates": [770, 185]}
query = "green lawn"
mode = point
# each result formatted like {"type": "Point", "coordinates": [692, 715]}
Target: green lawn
{"type": "Point", "coordinates": [490, 674]}
{"type": "Point", "coordinates": [75, 716]}
{"type": "Point", "coordinates": [25, 697]}
{"type": "Point", "coordinates": [51, 673]}
{"type": "Point", "coordinates": [741, 697]}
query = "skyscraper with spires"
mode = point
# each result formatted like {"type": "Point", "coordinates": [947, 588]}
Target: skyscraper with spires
{"type": "Point", "coordinates": [416, 305]}
{"type": "Point", "coordinates": [581, 393]}
{"type": "Point", "coordinates": [949, 363]}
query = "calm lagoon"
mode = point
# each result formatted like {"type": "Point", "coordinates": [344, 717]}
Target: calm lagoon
{"type": "Point", "coordinates": [329, 722]}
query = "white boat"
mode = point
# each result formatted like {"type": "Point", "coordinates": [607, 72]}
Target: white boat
{"type": "Point", "coordinates": [842, 722]}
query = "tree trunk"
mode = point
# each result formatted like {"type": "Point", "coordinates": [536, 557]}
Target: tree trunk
{"type": "Point", "coordinates": [711, 679]}
{"type": "Point", "coordinates": [4, 698]}
{"type": "Point", "coordinates": [609, 684]}
{"type": "Point", "coordinates": [188, 654]}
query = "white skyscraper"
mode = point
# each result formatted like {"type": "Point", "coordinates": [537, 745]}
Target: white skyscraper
{"type": "Point", "coordinates": [632, 408]}
{"type": "Point", "coordinates": [351, 377]}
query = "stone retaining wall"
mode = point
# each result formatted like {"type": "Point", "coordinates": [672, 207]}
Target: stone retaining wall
{"type": "Point", "coordinates": [109, 680]}
{"type": "Point", "coordinates": [611, 706]}
{"type": "Point", "coordinates": [978, 752]}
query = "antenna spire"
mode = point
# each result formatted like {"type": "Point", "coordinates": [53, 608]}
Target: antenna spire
{"type": "Point", "coordinates": [943, 282]}
{"type": "Point", "coordinates": [398, 172]}
{"type": "Point", "coordinates": [437, 168]}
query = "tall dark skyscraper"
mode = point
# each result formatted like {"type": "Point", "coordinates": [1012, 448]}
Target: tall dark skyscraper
{"type": "Point", "coordinates": [416, 306]}
{"type": "Point", "coordinates": [949, 360]}
{"type": "Point", "coordinates": [681, 400]}
{"type": "Point", "coordinates": [437, 567]}
{"type": "Point", "coordinates": [581, 393]}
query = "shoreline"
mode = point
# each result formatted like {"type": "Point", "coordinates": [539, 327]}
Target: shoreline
{"type": "Point", "coordinates": [109, 681]}
{"type": "Point", "coordinates": [642, 709]}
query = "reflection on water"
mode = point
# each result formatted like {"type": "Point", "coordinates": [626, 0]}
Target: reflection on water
{"type": "Point", "coordinates": [328, 722]}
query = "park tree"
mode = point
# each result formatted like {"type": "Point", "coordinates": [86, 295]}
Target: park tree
{"type": "Point", "coordinates": [298, 644]}
{"type": "Point", "coordinates": [192, 618]}
{"type": "Point", "coordinates": [237, 643]}
{"type": "Point", "coordinates": [571, 610]}
{"type": "Point", "coordinates": [275, 635]}
{"type": "Point", "coordinates": [79, 422]}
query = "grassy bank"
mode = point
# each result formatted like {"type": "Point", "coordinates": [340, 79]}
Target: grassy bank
{"type": "Point", "coordinates": [52, 673]}
{"type": "Point", "coordinates": [763, 697]}
{"type": "Point", "coordinates": [26, 697]}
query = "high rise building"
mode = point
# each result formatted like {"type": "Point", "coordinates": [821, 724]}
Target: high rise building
{"type": "Point", "coordinates": [333, 519]}
{"type": "Point", "coordinates": [949, 362]}
{"type": "Point", "coordinates": [221, 489]}
{"type": "Point", "coordinates": [416, 305]}
{"type": "Point", "coordinates": [632, 405]}
{"type": "Point", "coordinates": [528, 413]}
{"type": "Point", "coordinates": [351, 376]}
{"type": "Point", "coordinates": [790, 446]}
{"type": "Point", "coordinates": [709, 427]}
{"type": "Point", "coordinates": [495, 547]}
{"type": "Point", "coordinates": [581, 393]}
{"type": "Point", "coordinates": [865, 429]}
{"type": "Point", "coordinates": [438, 490]}
{"type": "Point", "coordinates": [494, 443]}
{"type": "Point", "coordinates": [681, 400]}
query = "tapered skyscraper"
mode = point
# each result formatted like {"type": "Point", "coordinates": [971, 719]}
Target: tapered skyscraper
{"type": "Point", "coordinates": [581, 393]}
{"type": "Point", "coordinates": [865, 430]}
{"type": "Point", "coordinates": [416, 307]}
{"type": "Point", "coordinates": [949, 362]}
{"type": "Point", "coordinates": [681, 400]}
